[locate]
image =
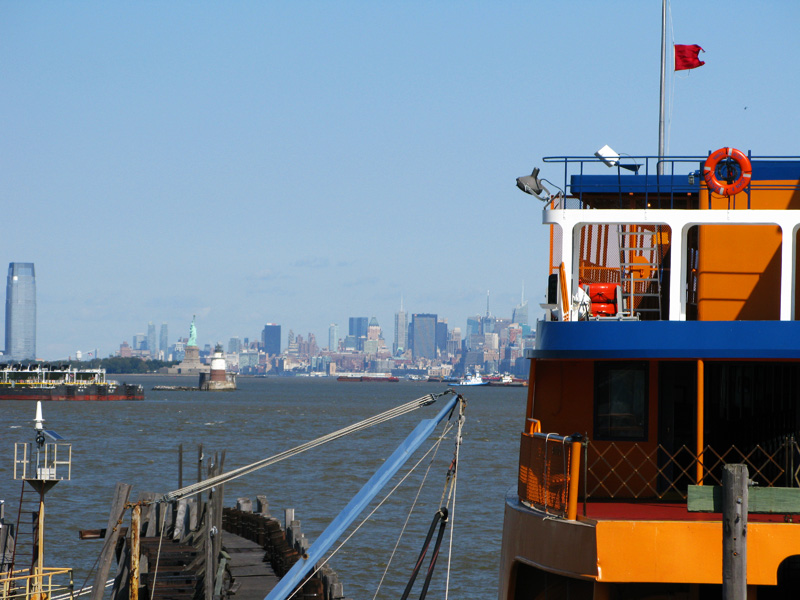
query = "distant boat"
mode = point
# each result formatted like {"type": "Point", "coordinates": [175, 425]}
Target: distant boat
{"type": "Point", "coordinates": [368, 378]}
{"type": "Point", "coordinates": [62, 382]}
{"type": "Point", "coordinates": [507, 380]}
{"type": "Point", "coordinates": [473, 380]}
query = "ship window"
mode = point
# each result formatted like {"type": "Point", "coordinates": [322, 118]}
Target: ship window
{"type": "Point", "coordinates": [620, 401]}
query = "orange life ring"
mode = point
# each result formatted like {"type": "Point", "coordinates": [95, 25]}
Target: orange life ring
{"type": "Point", "coordinates": [727, 189]}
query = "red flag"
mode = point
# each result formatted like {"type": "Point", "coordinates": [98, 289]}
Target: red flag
{"type": "Point", "coordinates": [686, 57]}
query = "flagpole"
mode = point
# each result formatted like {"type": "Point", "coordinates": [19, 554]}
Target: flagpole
{"type": "Point", "coordinates": [663, 82]}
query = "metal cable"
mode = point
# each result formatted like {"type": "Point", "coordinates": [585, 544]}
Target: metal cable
{"type": "Point", "coordinates": [434, 448]}
{"type": "Point", "coordinates": [388, 415]}
{"type": "Point", "coordinates": [461, 419]}
{"type": "Point", "coordinates": [158, 557]}
{"type": "Point", "coordinates": [410, 510]}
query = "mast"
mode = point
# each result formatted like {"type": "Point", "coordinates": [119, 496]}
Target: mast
{"type": "Point", "coordinates": [663, 80]}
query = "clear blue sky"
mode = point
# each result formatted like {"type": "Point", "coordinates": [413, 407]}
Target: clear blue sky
{"type": "Point", "coordinates": [304, 162]}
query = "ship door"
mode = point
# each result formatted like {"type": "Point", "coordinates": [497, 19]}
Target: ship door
{"type": "Point", "coordinates": [677, 433]}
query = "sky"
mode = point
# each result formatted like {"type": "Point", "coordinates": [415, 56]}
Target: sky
{"type": "Point", "coordinates": [305, 162]}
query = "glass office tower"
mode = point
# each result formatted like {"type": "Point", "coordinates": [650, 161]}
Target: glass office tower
{"type": "Point", "coordinates": [21, 312]}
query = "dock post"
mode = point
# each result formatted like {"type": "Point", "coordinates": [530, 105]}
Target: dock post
{"type": "Point", "coordinates": [121, 495]}
{"type": "Point", "coordinates": [136, 516]}
{"type": "Point", "coordinates": [180, 466]}
{"type": "Point", "coordinates": [734, 532]}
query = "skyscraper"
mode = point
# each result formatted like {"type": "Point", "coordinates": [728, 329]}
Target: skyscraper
{"type": "Point", "coordinates": [441, 335]}
{"type": "Point", "coordinates": [400, 331]}
{"type": "Point", "coordinates": [424, 345]}
{"type": "Point", "coordinates": [21, 312]}
{"type": "Point", "coordinates": [163, 341]}
{"type": "Point", "coordinates": [152, 348]}
{"type": "Point", "coordinates": [358, 329]}
{"type": "Point", "coordinates": [333, 337]}
{"type": "Point", "coordinates": [271, 339]}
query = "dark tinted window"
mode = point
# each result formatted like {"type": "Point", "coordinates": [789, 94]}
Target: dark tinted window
{"type": "Point", "coordinates": [620, 401]}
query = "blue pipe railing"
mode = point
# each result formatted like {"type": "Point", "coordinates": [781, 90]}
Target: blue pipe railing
{"type": "Point", "coordinates": [638, 180]}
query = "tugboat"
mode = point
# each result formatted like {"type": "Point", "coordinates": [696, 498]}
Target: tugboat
{"type": "Point", "coordinates": [670, 343]}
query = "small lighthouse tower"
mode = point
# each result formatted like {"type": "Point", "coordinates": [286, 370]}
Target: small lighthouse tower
{"type": "Point", "coordinates": [40, 465]}
{"type": "Point", "coordinates": [219, 379]}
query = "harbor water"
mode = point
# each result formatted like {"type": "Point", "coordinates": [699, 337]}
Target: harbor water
{"type": "Point", "coordinates": [137, 443]}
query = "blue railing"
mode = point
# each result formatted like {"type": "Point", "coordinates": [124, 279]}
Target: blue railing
{"type": "Point", "coordinates": [635, 181]}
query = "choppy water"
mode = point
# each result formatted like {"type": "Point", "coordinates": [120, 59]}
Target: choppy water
{"type": "Point", "coordinates": [137, 442]}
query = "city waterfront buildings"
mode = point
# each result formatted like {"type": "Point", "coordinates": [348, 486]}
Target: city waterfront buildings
{"type": "Point", "coordinates": [21, 312]}
{"type": "Point", "coordinates": [424, 346]}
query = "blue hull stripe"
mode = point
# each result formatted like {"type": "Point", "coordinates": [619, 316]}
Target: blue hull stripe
{"type": "Point", "coordinates": [755, 340]}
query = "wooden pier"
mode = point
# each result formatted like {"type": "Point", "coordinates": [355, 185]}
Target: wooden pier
{"type": "Point", "coordinates": [239, 554]}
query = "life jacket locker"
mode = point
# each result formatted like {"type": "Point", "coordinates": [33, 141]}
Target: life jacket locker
{"type": "Point", "coordinates": [603, 309]}
{"type": "Point", "coordinates": [605, 293]}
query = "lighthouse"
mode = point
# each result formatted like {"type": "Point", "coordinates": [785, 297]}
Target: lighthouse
{"type": "Point", "coordinates": [219, 378]}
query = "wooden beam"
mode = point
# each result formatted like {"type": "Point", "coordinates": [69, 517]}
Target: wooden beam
{"type": "Point", "coordinates": [771, 500]}
{"type": "Point", "coordinates": [121, 494]}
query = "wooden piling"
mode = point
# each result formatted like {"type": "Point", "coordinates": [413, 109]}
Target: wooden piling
{"type": "Point", "coordinates": [734, 532]}
{"type": "Point", "coordinates": [121, 495]}
{"type": "Point", "coordinates": [180, 466]}
{"type": "Point", "coordinates": [136, 528]}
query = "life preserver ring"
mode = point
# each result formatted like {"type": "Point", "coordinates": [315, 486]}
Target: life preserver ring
{"type": "Point", "coordinates": [727, 189]}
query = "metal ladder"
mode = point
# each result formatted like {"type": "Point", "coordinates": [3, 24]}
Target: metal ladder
{"type": "Point", "coordinates": [25, 529]}
{"type": "Point", "coordinates": [640, 253]}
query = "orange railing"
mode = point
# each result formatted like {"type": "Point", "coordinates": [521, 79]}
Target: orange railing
{"type": "Point", "coordinates": [549, 468]}
{"type": "Point", "coordinates": [21, 585]}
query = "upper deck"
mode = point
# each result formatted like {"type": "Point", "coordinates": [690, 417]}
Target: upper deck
{"type": "Point", "coordinates": [649, 240]}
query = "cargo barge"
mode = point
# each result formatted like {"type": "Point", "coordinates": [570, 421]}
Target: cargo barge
{"type": "Point", "coordinates": [62, 382]}
{"type": "Point", "coordinates": [389, 378]}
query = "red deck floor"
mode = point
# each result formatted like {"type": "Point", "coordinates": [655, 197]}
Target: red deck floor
{"type": "Point", "coordinates": [658, 511]}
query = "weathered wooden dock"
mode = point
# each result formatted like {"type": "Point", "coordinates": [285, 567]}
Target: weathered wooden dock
{"type": "Point", "coordinates": [252, 577]}
{"type": "Point", "coordinates": [206, 552]}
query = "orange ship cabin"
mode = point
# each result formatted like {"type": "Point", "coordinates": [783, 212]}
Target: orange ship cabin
{"type": "Point", "coordinates": [669, 347]}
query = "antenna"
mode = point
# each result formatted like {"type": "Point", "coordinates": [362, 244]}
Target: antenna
{"type": "Point", "coordinates": [487, 304]}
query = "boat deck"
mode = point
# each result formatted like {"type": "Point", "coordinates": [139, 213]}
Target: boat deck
{"type": "Point", "coordinates": [657, 511]}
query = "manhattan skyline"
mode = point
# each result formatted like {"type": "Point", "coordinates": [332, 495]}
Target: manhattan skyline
{"type": "Point", "coordinates": [303, 163]}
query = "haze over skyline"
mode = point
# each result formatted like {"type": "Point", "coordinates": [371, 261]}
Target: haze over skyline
{"type": "Point", "coordinates": [301, 163]}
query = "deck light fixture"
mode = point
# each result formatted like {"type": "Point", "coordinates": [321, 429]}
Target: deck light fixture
{"type": "Point", "coordinates": [531, 184]}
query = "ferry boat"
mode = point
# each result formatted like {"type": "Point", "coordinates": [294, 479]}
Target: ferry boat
{"type": "Point", "coordinates": [62, 382]}
{"type": "Point", "coordinates": [670, 342]}
{"type": "Point", "coordinates": [474, 379]}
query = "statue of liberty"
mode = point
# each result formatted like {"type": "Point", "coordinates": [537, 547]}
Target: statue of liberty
{"type": "Point", "coordinates": [192, 334]}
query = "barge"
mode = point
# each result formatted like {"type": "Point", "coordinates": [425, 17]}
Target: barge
{"type": "Point", "coordinates": [63, 382]}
